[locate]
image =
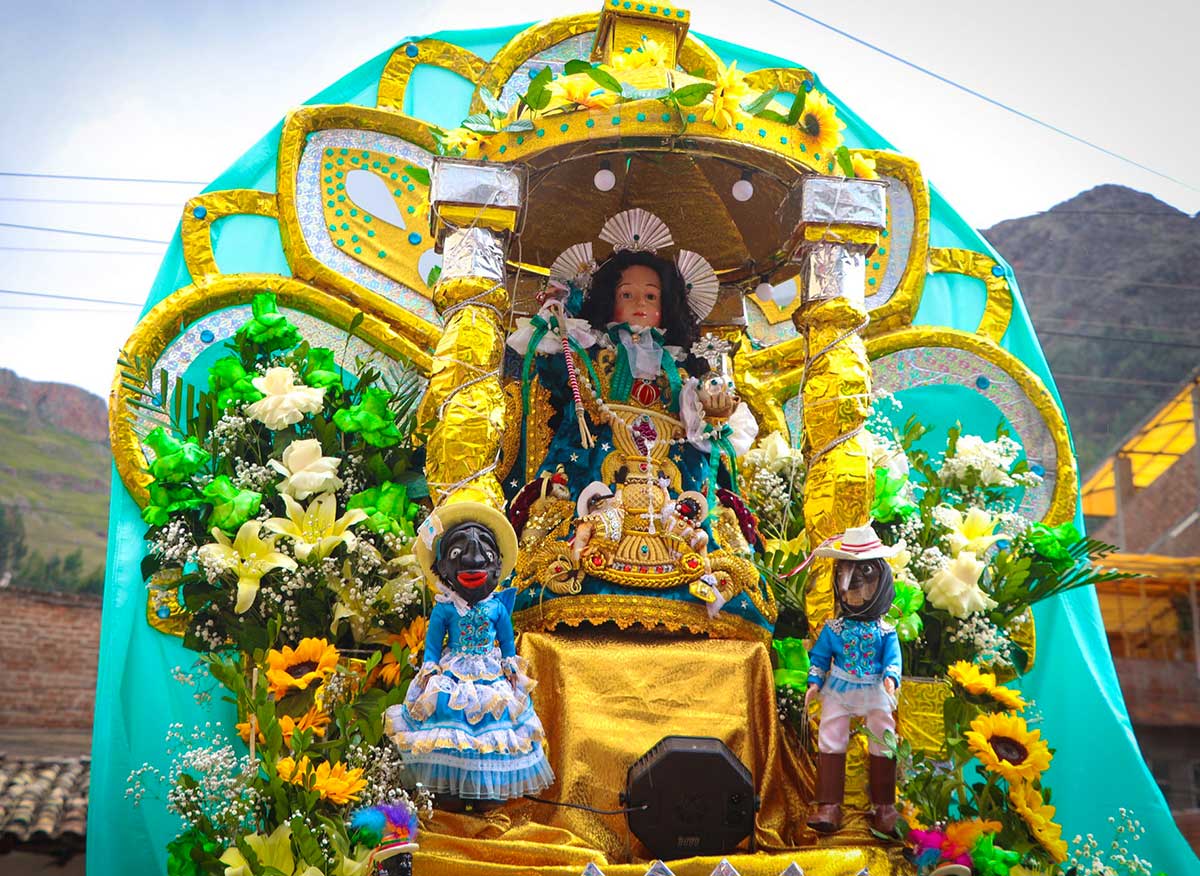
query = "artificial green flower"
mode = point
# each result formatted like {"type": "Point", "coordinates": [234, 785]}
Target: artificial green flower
{"type": "Point", "coordinates": [166, 500]}
{"type": "Point", "coordinates": [175, 461]}
{"type": "Point", "coordinates": [890, 498]}
{"type": "Point", "coordinates": [231, 506]}
{"type": "Point", "coordinates": [1053, 543]}
{"type": "Point", "coordinates": [321, 370]}
{"type": "Point", "coordinates": [387, 508]}
{"type": "Point", "coordinates": [372, 418]}
{"type": "Point", "coordinates": [269, 328]}
{"type": "Point", "coordinates": [231, 383]}
{"type": "Point", "coordinates": [989, 859]}
{"type": "Point", "coordinates": [793, 663]}
{"type": "Point", "coordinates": [904, 614]}
{"type": "Point", "coordinates": [185, 849]}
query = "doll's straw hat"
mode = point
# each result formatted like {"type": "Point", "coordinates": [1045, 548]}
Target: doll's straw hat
{"type": "Point", "coordinates": [857, 543]}
{"type": "Point", "coordinates": [595, 488]}
{"type": "Point", "coordinates": [440, 519]}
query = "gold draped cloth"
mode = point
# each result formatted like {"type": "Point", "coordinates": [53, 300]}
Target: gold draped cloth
{"type": "Point", "coordinates": [605, 698]}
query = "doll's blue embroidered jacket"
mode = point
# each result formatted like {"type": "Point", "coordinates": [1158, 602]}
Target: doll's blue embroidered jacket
{"type": "Point", "coordinates": [865, 652]}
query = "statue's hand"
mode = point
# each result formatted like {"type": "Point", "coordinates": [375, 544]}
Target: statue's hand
{"type": "Point", "coordinates": [889, 684]}
{"type": "Point", "coordinates": [810, 694]}
{"type": "Point", "coordinates": [718, 398]}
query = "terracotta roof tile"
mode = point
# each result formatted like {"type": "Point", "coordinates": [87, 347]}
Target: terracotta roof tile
{"type": "Point", "coordinates": [43, 803]}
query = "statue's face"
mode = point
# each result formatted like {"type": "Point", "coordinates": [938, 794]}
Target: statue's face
{"type": "Point", "coordinates": [638, 298]}
{"type": "Point", "coordinates": [469, 561]}
{"type": "Point", "coordinates": [857, 582]}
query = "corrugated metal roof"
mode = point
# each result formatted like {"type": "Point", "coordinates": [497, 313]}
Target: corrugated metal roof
{"type": "Point", "coordinates": [43, 803]}
{"type": "Point", "coordinates": [1152, 449]}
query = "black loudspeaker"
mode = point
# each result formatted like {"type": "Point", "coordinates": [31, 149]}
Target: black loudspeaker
{"type": "Point", "coordinates": [690, 795]}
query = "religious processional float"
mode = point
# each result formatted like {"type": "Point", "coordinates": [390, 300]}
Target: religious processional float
{"type": "Point", "coordinates": [584, 449]}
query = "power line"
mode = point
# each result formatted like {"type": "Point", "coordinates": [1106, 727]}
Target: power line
{"type": "Point", "coordinates": [83, 233]}
{"type": "Point", "coordinates": [177, 182]}
{"type": "Point", "coordinates": [1145, 341]}
{"type": "Point", "coordinates": [58, 297]}
{"type": "Point", "coordinates": [1133, 380]}
{"type": "Point", "coordinates": [64, 309]}
{"type": "Point", "coordinates": [1116, 325]}
{"type": "Point", "coordinates": [89, 251]}
{"type": "Point", "coordinates": [97, 203]}
{"type": "Point", "coordinates": [1066, 390]}
{"type": "Point", "coordinates": [980, 95]}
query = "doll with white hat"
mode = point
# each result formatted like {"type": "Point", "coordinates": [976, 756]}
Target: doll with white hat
{"type": "Point", "coordinates": [855, 670]}
{"type": "Point", "coordinates": [467, 727]}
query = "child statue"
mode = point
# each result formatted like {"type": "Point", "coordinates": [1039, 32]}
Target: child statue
{"type": "Point", "coordinates": [856, 672]}
{"type": "Point", "coordinates": [467, 727]}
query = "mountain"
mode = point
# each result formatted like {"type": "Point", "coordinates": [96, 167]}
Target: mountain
{"type": "Point", "coordinates": [1111, 283]}
{"type": "Point", "coordinates": [54, 469]}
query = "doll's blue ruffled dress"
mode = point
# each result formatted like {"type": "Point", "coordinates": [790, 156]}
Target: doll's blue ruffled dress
{"type": "Point", "coordinates": [467, 726]}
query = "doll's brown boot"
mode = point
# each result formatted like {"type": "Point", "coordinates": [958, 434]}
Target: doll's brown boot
{"type": "Point", "coordinates": [831, 787]}
{"type": "Point", "coordinates": [882, 779]}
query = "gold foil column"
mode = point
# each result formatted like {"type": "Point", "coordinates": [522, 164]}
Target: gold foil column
{"type": "Point", "coordinates": [841, 219]}
{"type": "Point", "coordinates": [475, 208]}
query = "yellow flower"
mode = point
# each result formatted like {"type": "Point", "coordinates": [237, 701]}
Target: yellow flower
{"type": "Point", "coordinates": [313, 661]}
{"type": "Point", "coordinates": [864, 166]}
{"type": "Point", "coordinates": [955, 587]}
{"type": "Point", "coordinates": [284, 401]}
{"type": "Point", "coordinates": [463, 142]}
{"type": "Point", "coordinates": [1007, 697]}
{"type": "Point", "coordinates": [973, 533]}
{"type": "Point", "coordinates": [725, 101]}
{"type": "Point", "coordinates": [314, 719]}
{"type": "Point", "coordinates": [337, 784]}
{"type": "Point", "coordinates": [579, 89]}
{"type": "Point", "coordinates": [1027, 800]}
{"type": "Point", "coordinates": [294, 771]}
{"type": "Point", "coordinates": [314, 530]}
{"type": "Point", "coordinates": [249, 556]}
{"type": "Point", "coordinates": [272, 851]}
{"type": "Point", "coordinates": [967, 676]}
{"type": "Point", "coordinates": [650, 54]}
{"type": "Point", "coordinates": [1005, 746]}
{"type": "Point", "coordinates": [413, 638]}
{"type": "Point", "coordinates": [820, 128]}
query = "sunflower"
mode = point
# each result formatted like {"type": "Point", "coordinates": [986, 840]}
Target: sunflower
{"type": "Point", "coordinates": [294, 771]}
{"type": "Point", "coordinates": [337, 784]}
{"type": "Point", "coordinates": [1007, 747]}
{"type": "Point", "coordinates": [820, 128]}
{"type": "Point", "coordinates": [310, 663]}
{"type": "Point", "coordinates": [1038, 815]}
{"type": "Point", "coordinates": [864, 167]}
{"type": "Point", "coordinates": [314, 720]}
{"type": "Point", "coordinates": [969, 677]}
{"type": "Point", "coordinates": [413, 638]}
{"type": "Point", "coordinates": [1007, 697]}
{"type": "Point", "coordinates": [726, 99]}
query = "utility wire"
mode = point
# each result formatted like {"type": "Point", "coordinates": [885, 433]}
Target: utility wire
{"type": "Point", "coordinates": [1105, 281]}
{"type": "Point", "coordinates": [126, 179]}
{"type": "Point", "coordinates": [1072, 322]}
{"type": "Point", "coordinates": [88, 251]}
{"type": "Point", "coordinates": [83, 233]}
{"type": "Point", "coordinates": [64, 309]}
{"type": "Point", "coordinates": [1134, 380]}
{"type": "Point", "coordinates": [94, 203]}
{"type": "Point", "coordinates": [980, 95]}
{"type": "Point", "coordinates": [68, 297]}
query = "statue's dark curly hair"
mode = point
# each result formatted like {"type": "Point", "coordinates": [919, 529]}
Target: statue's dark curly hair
{"type": "Point", "coordinates": [678, 324]}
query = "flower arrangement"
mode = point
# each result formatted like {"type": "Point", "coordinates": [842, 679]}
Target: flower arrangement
{"type": "Point", "coordinates": [969, 568]}
{"type": "Point", "coordinates": [281, 507]}
{"type": "Point", "coordinates": [640, 73]}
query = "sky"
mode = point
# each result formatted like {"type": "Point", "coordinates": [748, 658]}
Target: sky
{"type": "Point", "coordinates": [180, 90]}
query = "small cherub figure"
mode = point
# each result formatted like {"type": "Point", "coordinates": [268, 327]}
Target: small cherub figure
{"type": "Point", "coordinates": [855, 669]}
{"type": "Point", "coordinates": [600, 514]}
{"type": "Point", "coordinates": [684, 519]}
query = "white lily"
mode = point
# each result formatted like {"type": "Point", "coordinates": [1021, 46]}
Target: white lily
{"type": "Point", "coordinates": [305, 471]}
{"type": "Point", "coordinates": [316, 530]}
{"type": "Point", "coordinates": [249, 555]}
{"type": "Point", "coordinates": [973, 532]}
{"type": "Point", "coordinates": [284, 402]}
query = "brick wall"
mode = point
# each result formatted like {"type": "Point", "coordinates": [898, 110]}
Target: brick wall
{"type": "Point", "coordinates": [49, 646]}
{"type": "Point", "coordinates": [1156, 509]}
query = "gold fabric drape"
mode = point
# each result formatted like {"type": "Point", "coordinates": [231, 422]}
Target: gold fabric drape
{"type": "Point", "coordinates": [606, 697]}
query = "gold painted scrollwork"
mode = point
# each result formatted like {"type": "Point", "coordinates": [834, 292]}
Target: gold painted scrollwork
{"type": "Point", "coordinates": [997, 312]}
{"type": "Point", "coordinates": [202, 211]}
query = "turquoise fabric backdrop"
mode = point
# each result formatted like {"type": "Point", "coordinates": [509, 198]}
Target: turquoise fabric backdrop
{"type": "Point", "coordinates": [1097, 767]}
